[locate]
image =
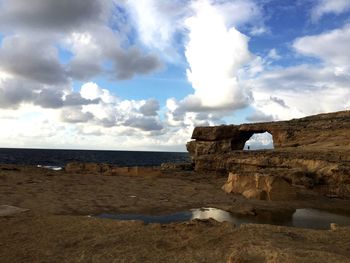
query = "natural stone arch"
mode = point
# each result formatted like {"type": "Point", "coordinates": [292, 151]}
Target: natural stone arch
{"type": "Point", "coordinates": [259, 141]}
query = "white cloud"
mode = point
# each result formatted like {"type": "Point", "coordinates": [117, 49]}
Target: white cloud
{"type": "Point", "coordinates": [38, 58]}
{"type": "Point", "coordinates": [112, 111]}
{"type": "Point", "coordinates": [299, 91]}
{"type": "Point", "coordinates": [240, 12]}
{"type": "Point", "coordinates": [214, 53]}
{"type": "Point", "coordinates": [281, 93]}
{"type": "Point", "coordinates": [332, 47]}
{"type": "Point", "coordinates": [324, 7]}
{"type": "Point", "coordinates": [112, 123]}
{"type": "Point", "coordinates": [92, 91]}
{"type": "Point", "coordinates": [157, 22]}
{"type": "Point", "coordinates": [257, 31]}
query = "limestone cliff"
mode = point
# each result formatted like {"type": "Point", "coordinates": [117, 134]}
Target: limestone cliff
{"type": "Point", "coordinates": [312, 152]}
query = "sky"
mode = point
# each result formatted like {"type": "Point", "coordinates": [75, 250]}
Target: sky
{"type": "Point", "coordinates": [141, 74]}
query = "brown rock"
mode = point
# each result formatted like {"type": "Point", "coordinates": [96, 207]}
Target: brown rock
{"type": "Point", "coordinates": [109, 170]}
{"type": "Point", "coordinates": [134, 171]}
{"type": "Point", "coordinates": [215, 133]}
{"type": "Point", "coordinates": [255, 194]}
{"type": "Point", "coordinates": [177, 167]}
{"type": "Point", "coordinates": [261, 187]}
{"type": "Point", "coordinates": [76, 167]}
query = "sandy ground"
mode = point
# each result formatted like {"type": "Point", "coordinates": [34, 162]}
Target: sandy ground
{"type": "Point", "coordinates": [56, 227]}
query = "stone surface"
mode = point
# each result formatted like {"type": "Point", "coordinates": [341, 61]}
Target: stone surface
{"type": "Point", "coordinates": [177, 167]}
{"type": "Point", "coordinates": [110, 170]}
{"type": "Point", "coordinates": [76, 167]}
{"type": "Point", "coordinates": [261, 187]}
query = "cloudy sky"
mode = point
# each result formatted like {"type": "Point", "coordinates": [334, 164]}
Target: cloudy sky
{"type": "Point", "coordinates": [141, 74]}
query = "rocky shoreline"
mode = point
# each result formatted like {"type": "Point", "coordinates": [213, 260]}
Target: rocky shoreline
{"type": "Point", "coordinates": [54, 225]}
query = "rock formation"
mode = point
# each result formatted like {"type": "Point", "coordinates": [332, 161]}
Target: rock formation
{"type": "Point", "coordinates": [312, 152]}
{"type": "Point", "coordinates": [259, 186]}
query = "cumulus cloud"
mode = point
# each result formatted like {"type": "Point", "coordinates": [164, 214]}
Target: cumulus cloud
{"type": "Point", "coordinates": [87, 59]}
{"type": "Point", "coordinates": [34, 58]}
{"type": "Point", "coordinates": [245, 12]}
{"type": "Point", "coordinates": [35, 32]}
{"type": "Point", "coordinates": [110, 111]}
{"type": "Point", "coordinates": [145, 124]}
{"type": "Point", "coordinates": [15, 91]}
{"type": "Point", "coordinates": [150, 108]}
{"type": "Point", "coordinates": [157, 21]}
{"type": "Point", "coordinates": [331, 47]}
{"type": "Point", "coordinates": [259, 116]}
{"type": "Point", "coordinates": [133, 62]}
{"type": "Point", "coordinates": [215, 52]}
{"type": "Point", "coordinates": [98, 45]}
{"type": "Point", "coordinates": [299, 91]}
{"type": "Point", "coordinates": [296, 91]}
{"type": "Point", "coordinates": [81, 27]}
{"type": "Point", "coordinates": [279, 101]}
{"type": "Point", "coordinates": [324, 7]}
{"type": "Point", "coordinates": [63, 15]}
{"type": "Point", "coordinates": [75, 115]}
{"type": "Point", "coordinates": [160, 23]}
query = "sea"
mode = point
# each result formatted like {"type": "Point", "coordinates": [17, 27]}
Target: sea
{"type": "Point", "coordinates": [59, 158]}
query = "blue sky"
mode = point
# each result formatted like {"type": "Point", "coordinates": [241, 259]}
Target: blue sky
{"type": "Point", "coordinates": [141, 74]}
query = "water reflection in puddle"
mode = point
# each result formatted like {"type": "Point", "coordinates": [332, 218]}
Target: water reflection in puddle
{"type": "Point", "coordinates": [317, 219]}
{"type": "Point", "coordinates": [49, 167]}
{"type": "Point", "coordinates": [305, 218]}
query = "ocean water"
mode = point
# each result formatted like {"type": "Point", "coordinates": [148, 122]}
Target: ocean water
{"type": "Point", "coordinates": [59, 158]}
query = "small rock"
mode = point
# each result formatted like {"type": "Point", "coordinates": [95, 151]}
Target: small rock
{"type": "Point", "coordinates": [334, 226]}
{"type": "Point", "coordinates": [8, 210]}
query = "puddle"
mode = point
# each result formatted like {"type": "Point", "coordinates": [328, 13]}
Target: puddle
{"type": "Point", "coordinates": [318, 219]}
{"type": "Point", "coordinates": [54, 168]}
{"type": "Point", "coordinates": [304, 218]}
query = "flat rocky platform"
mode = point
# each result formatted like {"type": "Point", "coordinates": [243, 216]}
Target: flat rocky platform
{"type": "Point", "coordinates": [56, 227]}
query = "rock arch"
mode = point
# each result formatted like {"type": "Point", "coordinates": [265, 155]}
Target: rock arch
{"type": "Point", "coordinates": [259, 141]}
{"type": "Point", "coordinates": [228, 138]}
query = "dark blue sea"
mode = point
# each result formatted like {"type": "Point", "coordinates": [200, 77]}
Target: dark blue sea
{"type": "Point", "coordinates": [60, 158]}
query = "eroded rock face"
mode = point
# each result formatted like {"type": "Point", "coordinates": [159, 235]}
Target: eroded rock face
{"type": "Point", "coordinates": [312, 152]}
{"type": "Point", "coordinates": [261, 187]}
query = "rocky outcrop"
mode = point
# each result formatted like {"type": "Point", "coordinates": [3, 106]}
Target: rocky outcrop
{"type": "Point", "coordinates": [174, 167]}
{"type": "Point", "coordinates": [312, 152]}
{"type": "Point", "coordinates": [261, 187]}
{"type": "Point", "coordinates": [110, 170]}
